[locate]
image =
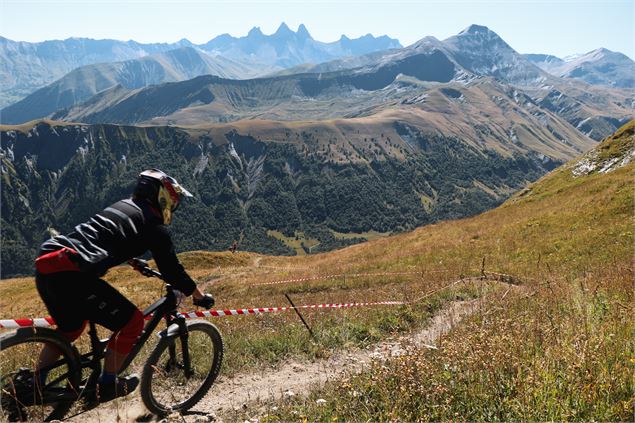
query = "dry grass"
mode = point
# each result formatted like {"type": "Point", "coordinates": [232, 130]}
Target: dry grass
{"type": "Point", "coordinates": [561, 351]}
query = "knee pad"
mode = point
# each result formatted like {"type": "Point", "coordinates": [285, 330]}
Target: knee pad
{"type": "Point", "coordinates": [123, 341]}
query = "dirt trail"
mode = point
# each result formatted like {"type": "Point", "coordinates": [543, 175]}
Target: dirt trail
{"type": "Point", "coordinates": [246, 390]}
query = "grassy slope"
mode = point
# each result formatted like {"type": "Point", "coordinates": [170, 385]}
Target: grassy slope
{"type": "Point", "coordinates": [559, 349]}
{"type": "Point", "coordinates": [548, 350]}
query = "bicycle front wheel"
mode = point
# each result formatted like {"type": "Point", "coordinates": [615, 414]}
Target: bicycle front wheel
{"type": "Point", "coordinates": [30, 395]}
{"type": "Point", "coordinates": [166, 382]}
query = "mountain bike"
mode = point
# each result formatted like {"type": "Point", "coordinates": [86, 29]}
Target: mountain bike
{"type": "Point", "coordinates": [177, 374]}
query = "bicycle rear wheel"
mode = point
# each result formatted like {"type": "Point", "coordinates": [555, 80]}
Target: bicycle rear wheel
{"type": "Point", "coordinates": [165, 386]}
{"type": "Point", "coordinates": [25, 396]}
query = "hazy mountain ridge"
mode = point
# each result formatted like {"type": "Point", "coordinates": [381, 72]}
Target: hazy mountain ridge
{"type": "Point", "coordinates": [26, 67]}
{"type": "Point", "coordinates": [286, 48]}
{"type": "Point", "coordinates": [597, 67]}
{"type": "Point", "coordinates": [595, 110]}
{"type": "Point", "coordinates": [392, 79]}
{"type": "Point", "coordinates": [84, 82]}
{"type": "Point", "coordinates": [478, 50]}
{"type": "Point", "coordinates": [474, 53]}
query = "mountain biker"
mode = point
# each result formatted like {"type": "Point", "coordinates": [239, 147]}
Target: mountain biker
{"type": "Point", "coordinates": [69, 268]}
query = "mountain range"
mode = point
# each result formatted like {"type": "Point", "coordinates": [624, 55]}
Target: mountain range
{"type": "Point", "coordinates": [394, 81]}
{"type": "Point", "coordinates": [26, 67]}
{"type": "Point", "coordinates": [436, 130]}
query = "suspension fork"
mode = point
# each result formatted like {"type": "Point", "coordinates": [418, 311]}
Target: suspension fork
{"type": "Point", "coordinates": [184, 337]}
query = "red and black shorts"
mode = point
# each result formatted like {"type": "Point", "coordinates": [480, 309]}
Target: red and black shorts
{"type": "Point", "coordinates": [72, 298]}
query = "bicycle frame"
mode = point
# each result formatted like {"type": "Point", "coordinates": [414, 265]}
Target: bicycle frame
{"type": "Point", "coordinates": [165, 307]}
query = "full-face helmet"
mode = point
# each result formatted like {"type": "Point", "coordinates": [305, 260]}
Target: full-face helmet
{"type": "Point", "coordinates": [163, 191]}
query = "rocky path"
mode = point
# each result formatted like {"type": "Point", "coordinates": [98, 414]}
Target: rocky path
{"type": "Point", "coordinates": [291, 378]}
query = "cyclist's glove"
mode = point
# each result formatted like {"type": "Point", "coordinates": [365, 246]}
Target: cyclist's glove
{"type": "Point", "coordinates": [206, 302]}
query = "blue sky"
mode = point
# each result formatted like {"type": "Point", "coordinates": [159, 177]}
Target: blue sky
{"type": "Point", "coordinates": [554, 27]}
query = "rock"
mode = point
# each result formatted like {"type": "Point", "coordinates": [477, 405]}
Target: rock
{"type": "Point", "coordinates": [172, 417]}
{"type": "Point", "coordinates": [211, 417]}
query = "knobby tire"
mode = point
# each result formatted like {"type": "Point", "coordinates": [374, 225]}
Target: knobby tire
{"type": "Point", "coordinates": [163, 382]}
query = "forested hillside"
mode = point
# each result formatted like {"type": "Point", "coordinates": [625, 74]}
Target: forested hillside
{"type": "Point", "coordinates": [57, 175]}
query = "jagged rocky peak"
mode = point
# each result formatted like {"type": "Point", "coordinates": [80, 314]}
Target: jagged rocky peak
{"type": "Point", "coordinates": [284, 30]}
{"type": "Point", "coordinates": [255, 32]}
{"type": "Point", "coordinates": [184, 42]}
{"type": "Point", "coordinates": [303, 32]}
{"type": "Point", "coordinates": [479, 42]}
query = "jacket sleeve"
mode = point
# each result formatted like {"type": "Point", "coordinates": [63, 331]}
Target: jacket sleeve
{"type": "Point", "coordinates": [164, 255]}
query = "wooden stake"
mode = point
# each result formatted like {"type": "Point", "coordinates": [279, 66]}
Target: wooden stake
{"type": "Point", "coordinates": [301, 318]}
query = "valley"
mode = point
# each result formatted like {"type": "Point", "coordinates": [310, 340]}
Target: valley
{"type": "Point", "coordinates": [567, 239]}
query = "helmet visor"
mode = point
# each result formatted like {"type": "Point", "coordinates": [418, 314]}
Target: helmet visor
{"type": "Point", "coordinates": [178, 187]}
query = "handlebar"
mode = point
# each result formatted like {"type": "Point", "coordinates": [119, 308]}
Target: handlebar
{"type": "Point", "coordinates": [142, 267]}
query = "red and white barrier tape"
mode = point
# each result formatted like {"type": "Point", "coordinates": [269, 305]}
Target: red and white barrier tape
{"type": "Point", "coordinates": [346, 275]}
{"type": "Point", "coordinates": [241, 311]}
{"type": "Point", "coordinates": [22, 323]}
{"type": "Point", "coordinates": [48, 321]}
